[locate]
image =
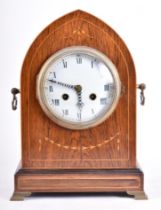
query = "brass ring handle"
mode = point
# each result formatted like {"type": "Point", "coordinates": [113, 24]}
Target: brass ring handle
{"type": "Point", "coordinates": [142, 87]}
{"type": "Point", "coordinates": [14, 91]}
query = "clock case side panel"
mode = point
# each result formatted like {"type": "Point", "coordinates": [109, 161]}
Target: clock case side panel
{"type": "Point", "coordinates": [28, 88]}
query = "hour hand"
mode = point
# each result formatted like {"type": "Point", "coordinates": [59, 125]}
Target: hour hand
{"type": "Point", "coordinates": [62, 84]}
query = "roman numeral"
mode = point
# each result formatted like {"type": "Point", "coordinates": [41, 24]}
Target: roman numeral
{"type": "Point", "coordinates": [79, 116]}
{"type": "Point", "coordinates": [108, 87]}
{"type": "Point", "coordinates": [55, 102]}
{"type": "Point", "coordinates": [50, 88]}
{"type": "Point", "coordinates": [92, 63]}
{"type": "Point", "coordinates": [79, 60]}
{"type": "Point", "coordinates": [103, 101]}
{"type": "Point", "coordinates": [64, 64]}
{"type": "Point", "coordinates": [65, 112]}
{"type": "Point", "coordinates": [54, 74]}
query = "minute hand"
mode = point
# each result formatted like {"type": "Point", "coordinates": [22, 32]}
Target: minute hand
{"type": "Point", "coordinates": [77, 88]}
{"type": "Point", "coordinates": [62, 84]}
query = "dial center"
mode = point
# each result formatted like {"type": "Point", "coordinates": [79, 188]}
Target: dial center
{"type": "Point", "coordinates": [78, 88]}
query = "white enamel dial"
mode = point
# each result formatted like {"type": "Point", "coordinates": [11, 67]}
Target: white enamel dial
{"type": "Point", "coordinates": [78, 87]}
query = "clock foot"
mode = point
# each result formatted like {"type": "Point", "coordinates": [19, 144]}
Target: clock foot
{"type": "Point", "coordinates": [138, 195]}
{"type": "Point", "coordinates": [19, 196]}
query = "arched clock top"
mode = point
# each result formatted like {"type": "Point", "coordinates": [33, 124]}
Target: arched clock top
{"type": "Point", "coordinates": [79, 28]}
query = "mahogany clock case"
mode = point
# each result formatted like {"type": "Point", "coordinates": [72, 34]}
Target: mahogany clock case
{"type": "Point", "coordinates": [98, 159]}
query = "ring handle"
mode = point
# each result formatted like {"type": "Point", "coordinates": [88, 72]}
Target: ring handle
{"type": "Point", "coordinates": [142, 87]}
{"type": "Point", "coordinates": [14, 92]}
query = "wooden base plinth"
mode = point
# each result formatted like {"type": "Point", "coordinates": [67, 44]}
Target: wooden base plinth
{"type": "Point", "coordinates": [29, 181]}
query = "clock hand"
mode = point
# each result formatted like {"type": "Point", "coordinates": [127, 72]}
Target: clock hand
{"type": "Point", "coordinates": [62, 84]}
{"type": "Point", "coordinates": [80, 104]}
{"type": "Point", "coordinates": [77, 88]}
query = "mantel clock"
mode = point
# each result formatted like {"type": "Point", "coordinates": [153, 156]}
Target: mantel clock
{"type": "Point", "coordinates": [78, 111]}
